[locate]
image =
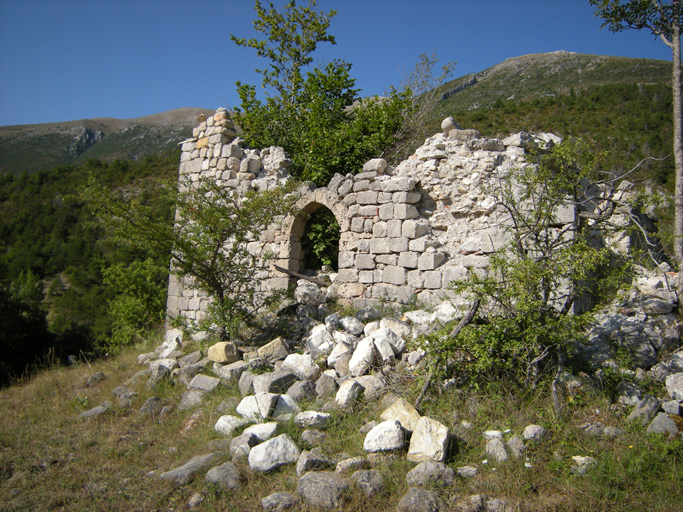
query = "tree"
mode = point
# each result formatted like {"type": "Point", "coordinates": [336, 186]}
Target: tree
{"type": "Point", "coordinates": [208, 241]}
{"type": "Point", "coordinates": [663, 19]}
{"type": "Point", "coordinates": [314, 113]}
{"type": "Point", "coordinates": [531, 310]}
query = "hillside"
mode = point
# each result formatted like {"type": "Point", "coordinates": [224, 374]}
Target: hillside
{"type": "Point", "coordinates": [547, 74]}
{"type": "Point", "coordinates": [44, 146]}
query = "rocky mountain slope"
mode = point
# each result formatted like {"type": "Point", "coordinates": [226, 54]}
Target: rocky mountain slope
{"type": "Point", "coordinates": [45, 146]}
{"type": "Point", "coordinates": [547, 74]}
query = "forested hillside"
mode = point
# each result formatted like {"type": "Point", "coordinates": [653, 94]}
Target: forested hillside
{"type": "Point", "coordinates": [54, 257]}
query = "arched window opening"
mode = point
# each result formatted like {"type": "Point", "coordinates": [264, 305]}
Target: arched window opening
{"type": "Point", "coordinates": [320, 240]}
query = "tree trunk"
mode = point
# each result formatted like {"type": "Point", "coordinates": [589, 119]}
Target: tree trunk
{"type": "Point", "coordinates": [678, 140]}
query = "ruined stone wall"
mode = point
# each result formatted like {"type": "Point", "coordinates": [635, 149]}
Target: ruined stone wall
{"type": "Point", "coordinates": [406, 232]}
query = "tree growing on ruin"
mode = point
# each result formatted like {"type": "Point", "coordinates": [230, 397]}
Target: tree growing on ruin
{"type": "Point", "coordinates": [663, 20]}
{"type": "Point", "coordinates": [314, 113]}
{"type": "Point", "coordinates": [207, 242]}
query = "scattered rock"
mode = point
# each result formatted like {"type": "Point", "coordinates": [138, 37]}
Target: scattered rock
{"type": "Point", "coordinates": [224, 352]}
{"type": "Point", "coordinates": [312, 419]}
{"type": "Point", "coordinates": [151, 407]}
{"type": "Point", "coordinates": [313, 437]}
{"type": "Point", "coordinates": [274, 453]}
{"type": "Point", "coordinates": [96, 411]}
{"type": "Point", "coordinates": [420, 500]}
{"type": "Point", "coordinates": [429, 442]}
{"type": "Point", "coordinates": [583, 464]}
{"type": "Point", "coordinates": [386, 436]}
{"type": "Point", "coordinates": [279, 501]}
{"type": "Point", "coordinates": [496, 448]}
{"type": "Point", "coordinates": [428, 473]}
{"type": "Point", "coordinates": [663, 424]}
{"type": "Point", "coordinates": [322, 489]}
{"type": "Point", "coordinates": [185, 473]}
{"type": "Point", "coordinates": [227, 424]}
{"type": "Point", "coordinates": [312, 460]}
{"type": "Point", "coordinates": [226, 476]}
{"type": "Point", "coordinates": [534, 432]}
{"type": "Point", "coordinates": [370, 481]}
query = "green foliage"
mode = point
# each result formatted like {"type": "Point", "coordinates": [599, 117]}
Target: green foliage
{"type": "Point", "coordinates": [625, 122]}
{"type": "Point", "coordinates": [208, 241]}
{"type": "Point", "coordinates": [308, 111]}
{"type": "Point", "coordinates": [49, 243]}
{"type": "Point", "coordinates": [140, 300]}
{"type": "Point", "coordinates": [320, 242]}
{"type": "Point", "coordinates": [532, 283]}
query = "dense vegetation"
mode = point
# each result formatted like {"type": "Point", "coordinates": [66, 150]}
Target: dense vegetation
{"type": "Point", "coordinates": [627, 121]}
{"type": "Point", "coordinates": [54, 258]}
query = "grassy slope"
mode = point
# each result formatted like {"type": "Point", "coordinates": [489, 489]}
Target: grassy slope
{"type": "Point", "coordinates": [50, 460]}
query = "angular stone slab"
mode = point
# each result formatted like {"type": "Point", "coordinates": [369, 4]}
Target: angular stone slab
{"type": "Point", "coordinates": [185, 473]}
{"type": "Point", "coordinates": [386, 436]}
{"type": "Point", "coordinates": [429, 442]}
{"type": "Point", "coordinates": [227, 424]}
{"type": "Point", "coordinates": [259, 407]}
{"type": "Point", "coordinates": [273, 453]}
{"type": "Point", "coordinates": [404, 412]}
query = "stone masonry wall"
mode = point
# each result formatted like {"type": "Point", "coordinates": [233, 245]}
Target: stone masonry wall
{"type": "Point", "coordinates": [406, 232]}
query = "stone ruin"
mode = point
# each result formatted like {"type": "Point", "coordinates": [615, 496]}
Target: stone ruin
{"type": "Point", "coordinates": [406, 232]}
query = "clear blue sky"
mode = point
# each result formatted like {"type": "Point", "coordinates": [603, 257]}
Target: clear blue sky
{"type": "Point", "coordinates": [64, 60]}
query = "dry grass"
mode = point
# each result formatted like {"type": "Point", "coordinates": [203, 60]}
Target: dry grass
{"type": "Point", "coordinates": [50, 460]}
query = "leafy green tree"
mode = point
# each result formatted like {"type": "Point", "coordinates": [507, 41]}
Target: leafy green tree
{"type": "Point", "coordinates": [140, 301]}
{"type": "Point", "coordinates": [208, 242]}
{"type": "Point", "coordinates": [314, 113]}
{"type": "Point", "coordinates": [529, 296]}
{"type": "Point", "coordinates": [663, 20]}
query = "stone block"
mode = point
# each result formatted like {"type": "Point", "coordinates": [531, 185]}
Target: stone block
{"type": "Point", "coordinates": [377, 165]}
{"type": "Point", "coordinates": [394, 228]}
{"type": "Point", "coordinates": [345, 259]}
{"type": "Point", "coordinates": [345, 187]}
{"type": "Point", "coordinates": [452, 274]}
{"type": "Point", "coordinates": [366, 276]}
{"type": "Point", "coordinates": [394, 275]}
{"type": "Point", "coordinates": [415, 278]}
{"type": "Point", "coordinates": [203, 143]}
{"type": "Point", "coordinates": [365, 262]}
{"type": "Point", "coordinates": [231, 150]}
{"type": "Point", "coordinates": [361, 186]}
{"type": "Point", "coordinates": [368, 211]}
{"type": "Point", "coordinates": [393, 293]}
{"type": "Point", "coordinates": [430, 260]}
{"type": "Point", "coordinates": [406, 197]}
{"type": "Point", "coordinates": [398, 245]}
{"type": "Point", "coordinates": [366, 197]}
{"type": "Point", "coordinates": [386, 259]}
{"type": "Point", "coordinates": [385, 197]}
{"type": "Point", "coordinates": [380, 246]}
{"type": "Point", "coordinates": [349, 290]}
{"type": "Point", "coordinates": [414, 229]}
{"type": "Point", "coordinates": [379, 229]}
{"type": "Point", "coordinates": [408, 259]}
{"type": "Point", "coordinates": [350, 199]}
{"type": "Point", "coordinates": [347, 275]}
{"type": "Point", "coordinates": [402, 184]}
{"type": "Point", "coordinates": [386, 211]}
{"type": "Point", "coordinates": [405, 211]}
{"type": "Point", "coordinates": [357, 224]}
{"type": "Point", "coordinates": [432, 279]}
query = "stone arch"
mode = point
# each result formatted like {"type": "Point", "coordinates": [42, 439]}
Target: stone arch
{"type": "Point", "coordinates": [293, 226]}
